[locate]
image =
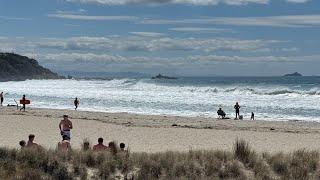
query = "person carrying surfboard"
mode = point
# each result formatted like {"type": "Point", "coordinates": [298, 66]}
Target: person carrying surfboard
{"type": "Point", "coordinates": [76, 103]}
{"type": "Point", "coordinates": [65, 126]}
{"type": "Point", "coordinates": [23, 102]}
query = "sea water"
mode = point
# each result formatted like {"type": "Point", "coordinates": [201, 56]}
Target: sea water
{"type": "Point", "coordinates": [270, 98]}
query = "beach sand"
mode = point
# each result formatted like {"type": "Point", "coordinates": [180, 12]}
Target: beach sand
{"type": "Point", "coordinates": [144, 133]}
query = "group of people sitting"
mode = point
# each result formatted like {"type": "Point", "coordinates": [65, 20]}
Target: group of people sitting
{"type": "Point", "coordinates": [30, 144]}
{"type": "Point", "coordinates": [65, 145]}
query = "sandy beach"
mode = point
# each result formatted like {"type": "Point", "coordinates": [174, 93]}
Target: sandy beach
{"type": "Point", "coordinates": [144, 133]}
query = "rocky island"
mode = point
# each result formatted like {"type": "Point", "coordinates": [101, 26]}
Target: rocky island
{"type": "Point", "coordinates": [296, 74]}
{"type": "Point", "coordinates": [14, 67]}
{"type": "Point", "coordinates": [160, 76]}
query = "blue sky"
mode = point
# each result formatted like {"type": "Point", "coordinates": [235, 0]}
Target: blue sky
{"type": "Point", "coordinates": [175, 37]}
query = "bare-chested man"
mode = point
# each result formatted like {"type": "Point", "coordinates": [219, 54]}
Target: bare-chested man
{"type": "Point", "coordinates": [100, 146]}
{"type": "Point", "coordinates": [31, 144]}
{"type": "Point", "coordinates": [65, 126]}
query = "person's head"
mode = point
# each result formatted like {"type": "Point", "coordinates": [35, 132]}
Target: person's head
{"type": "Point", "coordinates": [31, 137]}
{"type": "Point", "coordinates": [112, 147]}
{"type": "Point", "coordinates": [220, 109]}
{"type": "Point", "coordinates": [237, 103]}
{"type": "Point", "coordinates": [100, 140]}
{"type": "Point", "coordinates": [65, 117]}
{"type": "Point", "coordinates": [1, 92]}
{"type": "Point", "coordinates": [24, 95]}
{"type": "Point", "coordinates": [122, 146]}
{"type": "Point", "coordinates": [86, 146]}
{"type": "Point", "coordinates": [22, 143]}
{"type": "Point", "coordinates": [111, 144]}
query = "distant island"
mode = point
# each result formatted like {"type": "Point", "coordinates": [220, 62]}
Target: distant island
{"type": "Point", "coordinates": [159, 76]}
{"type": "Point", "coordinates": [296, 74]}
{"type": "Point", "coordinates": [14, 67]}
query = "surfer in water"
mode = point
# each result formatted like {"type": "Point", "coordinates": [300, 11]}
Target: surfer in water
{"type": "Point", "coordinates": [76, 103]}
{"type": "Point", "coordinates": [23, 103]}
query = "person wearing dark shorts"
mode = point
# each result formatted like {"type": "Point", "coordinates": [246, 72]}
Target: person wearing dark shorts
{"type": "Point", "coordinates": [237, 108]}
{"type": "Point", "coordinates": [65, 126]}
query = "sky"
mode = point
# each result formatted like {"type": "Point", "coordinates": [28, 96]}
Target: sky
{"type": "Point", "coordinates": [173, 37]}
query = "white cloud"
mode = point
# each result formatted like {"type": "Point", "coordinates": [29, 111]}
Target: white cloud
{"type": "Point", "coordinates": [99, 59]}
{"type": "Point", "coordinates": [144, 43]}
{"type": "Point", "coordinates": [275, 21]}
{"type": "Point", "coordinates": [298, 1]}
{"type": "Point", "coordinates": [200, 30]}
{"type": "Point", "coordinates": [14, 18]}
{"type": "Point", "coordinates": [148, 34]}
{"type": "Point", "coordinates": [193, 2]}
{"type": "Point", "coordinates": [95, 18]}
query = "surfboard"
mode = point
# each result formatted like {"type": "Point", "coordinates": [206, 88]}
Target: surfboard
{"type": "Point", "coordinates": [25, 101]}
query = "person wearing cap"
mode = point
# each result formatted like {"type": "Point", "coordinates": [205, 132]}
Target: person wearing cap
{"type": "Point", "coordinates": [65, 126]}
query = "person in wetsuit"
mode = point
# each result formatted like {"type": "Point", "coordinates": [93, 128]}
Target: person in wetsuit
{"type": "Point", "coordinates": [237, 108]}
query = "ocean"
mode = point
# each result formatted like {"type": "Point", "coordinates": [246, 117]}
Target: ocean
{"type": "Point", "coordinates": [270, 98]}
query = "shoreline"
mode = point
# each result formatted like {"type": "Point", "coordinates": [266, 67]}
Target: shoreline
{"type": "Point", "coordinates": [169, 115]}
{"type": "Point", "coordinates": [151, 133]}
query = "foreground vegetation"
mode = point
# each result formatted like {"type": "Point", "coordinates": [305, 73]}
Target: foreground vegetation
{"type": "Point", "coordinates": [240, 163]}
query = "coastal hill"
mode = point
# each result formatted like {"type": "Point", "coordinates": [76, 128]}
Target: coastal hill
{"type": "Point", "coordinates": [14, 67]}
{"type": "Point", "coordinates": [296, 74]}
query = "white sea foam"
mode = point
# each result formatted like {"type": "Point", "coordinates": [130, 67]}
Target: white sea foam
{"type": "Point", "coordinates": [268, 101]}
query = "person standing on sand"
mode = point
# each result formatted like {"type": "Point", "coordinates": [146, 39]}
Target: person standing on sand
{"type": "Point", "coordinates": [65, 126]}
{"type": "Point", "coordinates": [23, 104]}
{"type": "Point", "coordinates": [76, 103]}
{"type": "Point", "coordinates": [1, 98]}
{"type": "Point", "coordinates": [252, 116]}
{"type": "Point", "coordinates": [237, 108]}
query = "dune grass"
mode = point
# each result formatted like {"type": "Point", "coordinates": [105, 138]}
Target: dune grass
{"type": "Point", "coordinates": [240, 163]}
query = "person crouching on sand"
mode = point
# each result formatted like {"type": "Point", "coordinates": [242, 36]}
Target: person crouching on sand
{"type": "Point", "coordinates": [65, 126]}
{"type": "Point", "coordinates": [64, 145]}
{"type": "Point", "coordinates": [76, 103]}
